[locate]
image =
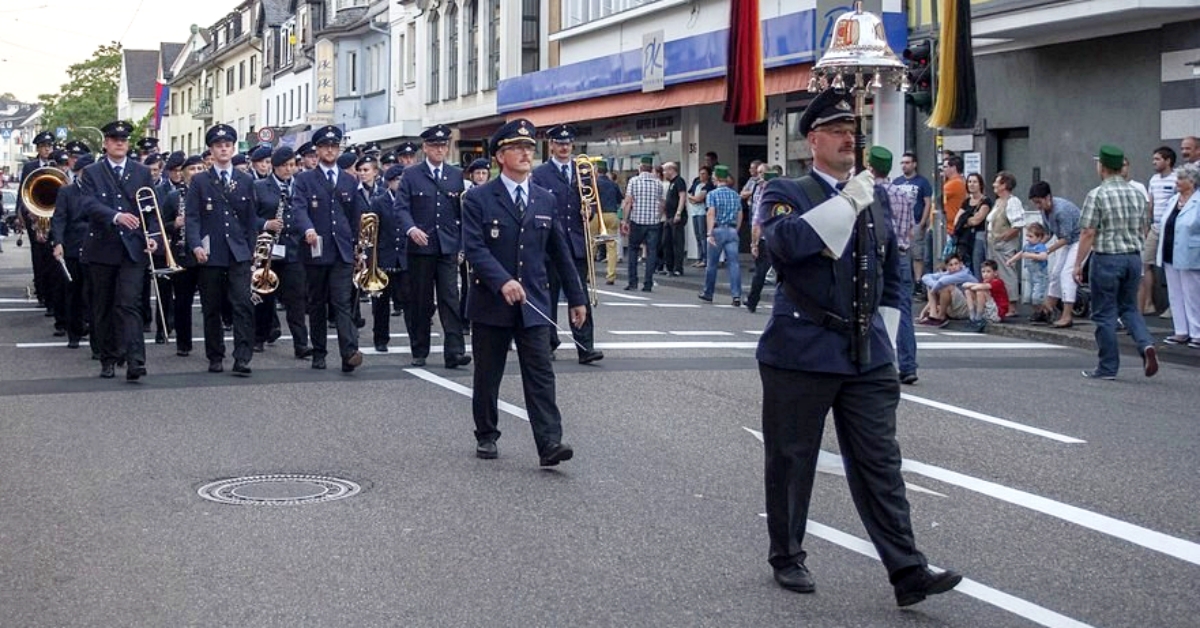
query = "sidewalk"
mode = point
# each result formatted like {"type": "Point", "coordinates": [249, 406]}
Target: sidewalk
{"type": "Point", "coordinates": [1081, 335]}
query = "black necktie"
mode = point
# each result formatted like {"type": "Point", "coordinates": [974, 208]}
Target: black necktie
{"type": "Point", "coordinates": [437, 173]}
{"type": "Point", "coordinates": [841, 186]}
{"type": "Point", "coordinates": [224, 179]}
{"type": "Point", "coordinates": [566, 170]}
{"type": "Point", "coordinates": [329, 174]}
{"type": "Point", "coordinates": [117, 172]}
{"type": "Point", "coordinates": [520, 201]}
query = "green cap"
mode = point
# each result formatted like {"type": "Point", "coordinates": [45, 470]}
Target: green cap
{"type": "Point", "coordinates": [647, 160]}
{"type": "Point", "coordinates": [880, 159]}
{"type": "Point", "coordinates": [1111, 157]}
{"type": "Point", "coordinates": [770, 174]}
{"type": "Point", "coordinates": [721, 171]}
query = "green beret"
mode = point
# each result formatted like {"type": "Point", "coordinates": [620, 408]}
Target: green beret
{"type": "Point", "coordinates": [721, 171]}
{"type": "Point", "coordinates": [1111, 157]}
{"type": "Point", "coordinates": [770, 174]}
{"type": "Point", "coordinates": [880, 159]}
{"type": "Point", "coordinates": [647, 160]}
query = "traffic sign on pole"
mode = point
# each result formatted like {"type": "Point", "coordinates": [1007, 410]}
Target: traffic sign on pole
{"type": "Point", "coordinates": [61, 133]}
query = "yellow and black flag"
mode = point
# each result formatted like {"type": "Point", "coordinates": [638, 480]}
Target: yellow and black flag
{"type": "Point", "coordinates": [956, 106]}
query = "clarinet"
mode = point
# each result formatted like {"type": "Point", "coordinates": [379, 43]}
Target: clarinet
{"type": "Point", "coordinates": [860, 348]}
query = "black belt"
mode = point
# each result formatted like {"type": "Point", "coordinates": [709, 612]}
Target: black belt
{"type": "Point", "coordinates": [726, 224]}
{"type": "Point", "coordinates": [1122, 253]}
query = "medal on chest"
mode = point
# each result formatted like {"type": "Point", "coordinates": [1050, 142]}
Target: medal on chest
{"type": "Point", "coordinates": [208, 205]}
{"type": "Point", "coordinates": [313, 203]}
{"type": "Point", "coordinates": [495, 229]}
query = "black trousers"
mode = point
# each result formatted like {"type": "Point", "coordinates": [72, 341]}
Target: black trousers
{"type": "Point", "coordinates": [117, 312]}
{"type": "Point", "coordinates": [329, 288]}
{"type": "Point", "coordinates": [864, 414]}
{"type": "Point", "coordinates": [584, 335]}
{"type": "Point", "coordinates": [147, 305]}
{"type": "Point", "coordinates": [490, 347]}
{"type": "Point", "coordinates": [674, 245]}
{"type": "Point", "coordinates": [184, 286]}
{"type": "Point", "coordinates": [427, 274]}
{"type": "Point", "coordinates": [464, 286]}
{"type": "Point", "coordinates": [293, 294]}
{"type": "Point", "coordinates": [166, 292]}
{"type": "Point", "coordinates": [216, 285]}
{"type": "Point", "coordinates": [75, 299]}
{"type": "Point", "coordinates": [396, 292]}
{"type": "Point", "coordinates": [41, 257]}
{"type": "Point", "coordinates": [762, 264]}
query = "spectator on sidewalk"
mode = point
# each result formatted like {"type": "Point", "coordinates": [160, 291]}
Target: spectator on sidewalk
{"type": "Point", "coordinates": [954, 191]}
{"type": "Point", "coordinates": [643, 221]}
{"type": "Point", "coordinates": [1112, 223]}
{"type": "Point", "coordinates": [921, 249]}
{"type": "Point", "coordinates": [987, 300]}
{"type": "Point", "coordinates": [758, 246]}
{"type": "Point", "coordinates": [1061, 218]}
{"type": "Point", "coordinates": [724, 221]}
{"type": "Point", "coordinates": [1035, 252]}
{"type": "Point", "coordinates": [1162, 188]}
{"type": "Point", "coordinates": [674, 245]}
{"type": "Point", "coordinates": [611, 198]}
{"type": "Point", "coordinates": [1004, 225]}
{"type": "Point", "coordinates": [698, 212]}
{"type": "Point", "coordinates": [971, 230]}
{"type": "Point", "coordinates": [903, 200]}
{"type": "Point", "coordinates": [945, 300]}
{"type": "Point", "coordinates": [1189, 150]}
{"type": "Point", "coordinates": [1179, 256]}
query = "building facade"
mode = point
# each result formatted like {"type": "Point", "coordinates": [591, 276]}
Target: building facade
{"type": "Point", "coordinates": [18, 125]}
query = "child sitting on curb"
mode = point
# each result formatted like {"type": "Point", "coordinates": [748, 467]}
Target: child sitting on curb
{"type": "Point", "coordinates": [945, 299]}
{"type": "Point", "coordinates": [987, 300]}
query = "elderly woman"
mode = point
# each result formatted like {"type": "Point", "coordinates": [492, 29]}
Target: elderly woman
{"type": "Point", "coordinates": [1179, 257]}
{"type": "Point", "coordinates": [1004, 225]}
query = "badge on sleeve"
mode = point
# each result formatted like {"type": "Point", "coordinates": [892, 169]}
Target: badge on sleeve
{"type": "Point", "coordinates": [781, 209]}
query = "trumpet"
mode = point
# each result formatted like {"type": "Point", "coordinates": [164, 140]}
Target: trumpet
{"type": "Point", "coordinates": [367, 275]}
{"type": "Point", "coordinates": [147, 205]}
{"type": "Point", "coordinates": [589, 205]}
{"type": "Point", "coordinates": [263, 280]}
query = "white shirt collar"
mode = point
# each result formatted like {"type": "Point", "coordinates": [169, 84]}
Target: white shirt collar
{"type": "Point", "coordinates": [433, 167]}
{"type": "Point", "coordinates": [114, 164]}
{"type": "Point", "coordinates": [325, 170]}
{"type": "Point", "coordinates": [830, 179]}
{"type": "Point", "coordinates": [512, 186]}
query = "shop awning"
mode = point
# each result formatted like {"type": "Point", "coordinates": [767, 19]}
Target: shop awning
{"type": "Point", "coordinates": [778, 81]}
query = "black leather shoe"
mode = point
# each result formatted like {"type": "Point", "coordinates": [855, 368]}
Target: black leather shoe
{"type": "Point", "coordinates": [273, 336]}
{"type": "Point", "coordinates": [352, 362]}
{"type": "Point", "coordinates": [381, 348]}
{"type": "Point", "coordinates": [487, 450]}
{"type": "Point", "coordinates": [795, 578]}
{"type": "Point", "coordinates": [258, 347]}
{"type": "Point", "coordinates": [73, 343]}
{"type": "Point", "coordinates": [304, 353]}
{"type": "Point", "coordinates": [107, 371]}
{"type": "Point", "coordinates": [646, 288]}
{"type": "Point", "coordinates": [908, 378]}
{"type": "Point", "coordinates": [920, 583]}
{"type": "Point", "coordinates": [705, 297]}
{"type": "Point", "coordinates": [134, 372]}
{"type": "Point", "coordinates": [591, 356]}
{"type": "Point", "coordinates": [462, 360]}
{"type": "Point", "coordinates": [360, 323]}
{"type": "Point", "coordinates": [59, 333]}
{"type": "Point", "coordinates": [215, 366]}
{"type": "Point", "coordinates": [318, 363]}
{"type": "Point", "coordinates": [183, 353]}
{"type": "Point", "coordinates": [418, 361]}
{"type": "Point", "coordinates": [751, 307]}
{"type": "Point", "coordinates": [241, 368]}
{"type": "Point", "coordinates": [631, 287]}
{"type": "Point", "coordinates": [737, 302]}
{"type": "Point", "coordinates": [555, 454]}
{"type": "Point", "coordinates": [160, 338]}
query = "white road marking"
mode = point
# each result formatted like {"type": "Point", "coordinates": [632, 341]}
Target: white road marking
{"type": "Point", "coordinates": [754, 332]}
{"type": "Point", "coordinates": [618, 304]}
{"type": "Point", "coordinates": [924, 333]}
{"type": "Point", "coordinates": [683, 305]}
{"type": "Point", "coordinates": [986, 345]}
{"type": "Point", "coordinates": [987, 418]}
{"type": "Point", "coordinates": [465, 391]}
{"type": "Point", "coordinates": [150, 340]}
{"type": "Point", "coordinates": [683, 344]}
{"type": "Point", "coordinates": [637, 333]}
{"type": "Point", "coordinates": [971, 588]}
{"type": "Point", "coordinates": [960, 333]}
{"type": "Point", "coordinates": [621, 295]}
{"type": "Point", "coordinates": [22, 309]}
{"type": "Point", "coordinates": [700, 333]}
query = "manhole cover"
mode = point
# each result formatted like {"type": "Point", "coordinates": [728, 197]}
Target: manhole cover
{"type": "Point", "coordinates": [279, 490]}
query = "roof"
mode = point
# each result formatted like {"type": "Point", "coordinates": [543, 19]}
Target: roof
{"type": "Point", "coordinates": [169, 53]}
{"type": "Point", "coordinates": [141, 71]}
{"type": "Point", "coordinates": [276, 12]}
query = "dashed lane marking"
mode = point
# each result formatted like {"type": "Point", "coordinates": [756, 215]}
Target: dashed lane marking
{"type": "Point", "coordinates": [987, 418]}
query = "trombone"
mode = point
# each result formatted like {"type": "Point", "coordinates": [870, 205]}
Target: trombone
{"type": "Point", "coordinates": [589, 205]}
{"type": "Point", "coordinates": [147, 204]}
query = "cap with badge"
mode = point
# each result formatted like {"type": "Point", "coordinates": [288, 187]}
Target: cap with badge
{"type": "Point", "coordinates": [345, 161]}
{"type": "Point", "coordinates": [151, 159]}
{"type": "Point", "coordinates": [147, 143]}
{"type": "Point", "coordinates": [220, 133]}
{"type": "Point", "coordinates": [368, 159]}
{"type": "Point", "coordinates": [393, 172]}
{"type": "Point", "coordinates": [84, 161]}
{"type": "Point", "coordinates": [45, 137]}
{"type": "Point", "coordinates": [59, 156]}
{"type": "Point", "coordinates": [387, 159]}
{"type": "Point", "coordinates": [117, 130]}
{"type": "Point", "coordinates": [372, 147]}
{"type": "Point", "coordinates": [1111, 157]}
{"type": "Point", "coordinates": [515, 132]}
{"type": "Point", "coordinates": [260, 153]}
{"type": "Point", "coordinates": [282, 156]}
{"type": "Point", "coordinates": [239, 160]}
{"type": "Point", "coordinates": [829, 106]}
{"type": "Point", "coordinates": [193, 160]}
{"type": "Point", "coordinates": [880, 159]}
{"type": "Point", "coordinates": [76, 147]}
{"type": "Point", "coordinates": [406, 149]}
{"type": "Point", "coordinates": [436, 134]}
{"type": "Point", "coordinates": [306, 149]}
{"type": "Point", "coordinates": [561, 134]}
{"type": "Point", "coordinates": [479, 164]}
{"type": "Point", "coordinates": [175, 160]}
{"type": "Point", "coordinates": [327, 135]}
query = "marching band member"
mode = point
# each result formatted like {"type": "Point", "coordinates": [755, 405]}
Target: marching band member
{"type": "Point", "coordinates": [429, 205]}
{"type": "Point", "coordinates": [69, 227]}
{"type": "Point", "coordinates": [392, 257]}
{"type": "Point", "coordinates": [308, 156]}
{"type": "Point", "coordinates": [116, 251]}
{"type": "Point", "coordinates": [147, 146]}
{"type": "Point", "coordinates": [39, 247]}
{"type": "Point", "coordinates": [220, 231]}
{"type": "Point", "coordinates": [154, 161]}
{"type": "Point", "coordinates": [511, 233]}
{"type": "Point", "coordinates": [273, 201]}
{"type": "Point", "coordinates": [558, 176]}
{"type": "Point", "coordinates": [260, 162]}
{"type": "Point", "coordinates": [185, 282]}
{"type": "Point", "coordinates": [326, 206]}
{"type": "Point", "coordinates": [406, 154]}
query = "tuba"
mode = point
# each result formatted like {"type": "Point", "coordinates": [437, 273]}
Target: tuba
{"type": "Point", "coordinates": [367, 275]}
{"type": "Point", "coordinates": [589, 205]}
{"type": "Point", "coordinates": [39, 191]}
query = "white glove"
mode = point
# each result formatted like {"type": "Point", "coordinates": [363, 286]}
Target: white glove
{"type": "Point", "coordinates": [860, 190]}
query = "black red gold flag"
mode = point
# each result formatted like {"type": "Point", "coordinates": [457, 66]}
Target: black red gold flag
{"type": "Point", "coordinates": [956, 106]}
{"type": "Point", "coordinates": [745, 93]}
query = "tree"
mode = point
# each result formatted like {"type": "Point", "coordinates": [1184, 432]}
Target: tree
{"type": "Point", "coordinates": [89, 98]}
{"type": "Point", "coordinates": [8, 96]}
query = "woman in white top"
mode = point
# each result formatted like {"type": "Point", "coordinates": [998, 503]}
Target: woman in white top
{"type": "Point", "coordinates": [698, 212]}
{"type": "Point", "coordinates": [1004, 225]}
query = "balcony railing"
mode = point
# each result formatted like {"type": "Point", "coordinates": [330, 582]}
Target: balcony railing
{"type": "Point", "coordinates": [203, 110]}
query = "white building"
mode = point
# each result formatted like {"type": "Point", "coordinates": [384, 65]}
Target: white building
{"type": "Point", "coordinates": [136, 86]}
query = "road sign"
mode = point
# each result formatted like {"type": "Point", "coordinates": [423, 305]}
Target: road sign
{"type": "Point", "coordinates": [266, 134]}
{"type": "Point", "coordinates": [61, 133]}
{"type": "Point", "coordinates": [5, 133]}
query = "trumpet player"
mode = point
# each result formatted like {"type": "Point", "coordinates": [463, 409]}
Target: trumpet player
{"type": "Point", "coordinates": [39, 246]}
{"type": "Point", "coordinates": [185, 282]}
{"type": "Point", "coordinates": [559, 176]}
{"type": "Point", "coordinates": [327, 206]}
{"type": "Point", "coordinates": [69, 227]}
{"type": "Point", "coordinates": [220, 227]}
{"type": "Point", "coordinates": [273, 204]}
{"type": "Point", "coordinates": [391, 248]}
{"type": "Point", "coordinates": [117, 251]}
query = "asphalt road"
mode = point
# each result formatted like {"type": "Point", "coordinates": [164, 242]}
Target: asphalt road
{"type": "Point", "coordinates": [1064, 501]}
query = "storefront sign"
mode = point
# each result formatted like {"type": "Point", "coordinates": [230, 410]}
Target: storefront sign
{"type": "Point", "coordinates": [631, 127]}
{"type": "Point", "coordinates": [653, 62]}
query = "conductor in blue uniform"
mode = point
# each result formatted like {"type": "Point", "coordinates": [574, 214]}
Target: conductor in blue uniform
{"type": "Point", "coordinates": [816, 355]}
{"type": "Point", "coordinates": [511, 233]}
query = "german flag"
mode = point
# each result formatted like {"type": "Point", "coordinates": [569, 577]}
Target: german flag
{"type": "Point", "coordinates": [956, 106]}
{"type": "Point", "coordinates": [745, 94]}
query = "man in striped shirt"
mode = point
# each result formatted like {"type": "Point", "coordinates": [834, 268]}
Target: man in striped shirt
{"type": "Point", "coordinates": [903, 201]}
{"type": "Point", "coordinates": [643, 215]}
{"type": "Point", "coordinates": [1112, 222]}
{"type": "Point", "coordinates": [1162, 188]}
{"type": "Point", "coordinates": [724, 220]}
